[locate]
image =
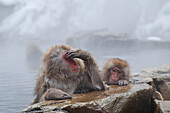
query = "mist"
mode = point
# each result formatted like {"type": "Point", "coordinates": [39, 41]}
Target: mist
{"type": "Point", "coordinates": [58, 19]}
{"type": "Point", "coordinates": [134, 30]}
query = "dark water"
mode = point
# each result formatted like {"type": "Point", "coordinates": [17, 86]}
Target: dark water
{"type": "Point", "coordinates": [17, 79]}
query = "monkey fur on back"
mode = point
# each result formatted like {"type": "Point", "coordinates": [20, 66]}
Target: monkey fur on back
{"type": "Point", "coordinates": [72, 71]}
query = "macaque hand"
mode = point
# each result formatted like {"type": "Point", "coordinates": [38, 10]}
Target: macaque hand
{"type": "Point", "coordinates": [84, 55]}
{"type": "Point", "coordinates": [122, 82]}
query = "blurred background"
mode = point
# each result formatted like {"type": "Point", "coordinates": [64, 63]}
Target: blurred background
{"type": "Point", "coordinates": [135, 30]}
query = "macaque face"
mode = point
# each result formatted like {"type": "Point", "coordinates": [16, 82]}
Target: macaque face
{"type": "Point", "coordinates": [116, 73]}
{"type": "Point", "coordinates": [71, 62]}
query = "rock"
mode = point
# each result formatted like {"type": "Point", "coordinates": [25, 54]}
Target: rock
{"type": "Point", "coordinates": [118, 99]}
{"type": "Point", "coordinates": [159, 71]}
{"type": "Point", "coordinates": [158, 78]}
{"type": "Point", "coordinates": [141, 80]}
{"type": "Point", "coordinates": [164, 106]}
{"type": "Point", "coordinates": [162, 85]}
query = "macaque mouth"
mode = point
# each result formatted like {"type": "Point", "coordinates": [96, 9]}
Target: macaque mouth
{"type": "Point", "coordinates": [114, 78]}
{"type": "Point", "coordinates": [72, 64]}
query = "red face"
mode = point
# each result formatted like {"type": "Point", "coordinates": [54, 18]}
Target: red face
{"type": "Point", "coordinates": [116, 73]}
{"type": "Point", "coordinates": [72, 64]}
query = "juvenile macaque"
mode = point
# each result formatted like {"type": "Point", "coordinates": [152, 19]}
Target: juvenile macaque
{"type": "Point", "coordinates": [116, 71]}
{"type": "Point", "coordinates": [72, 71]}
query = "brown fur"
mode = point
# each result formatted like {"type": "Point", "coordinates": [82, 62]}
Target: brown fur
{"type": "Point", "coordinates": [55, 94]}
{"type": "Point", "coordinates": [115, 62]}
{"type": "Point", "coordinates": [55, 73]}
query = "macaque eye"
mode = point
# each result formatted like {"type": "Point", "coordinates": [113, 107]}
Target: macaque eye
{"type": "Point", "coordinates": [114, 70]}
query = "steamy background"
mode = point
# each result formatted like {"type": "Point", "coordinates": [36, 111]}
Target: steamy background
{"type": "Point", "coordinates": [135, 30]}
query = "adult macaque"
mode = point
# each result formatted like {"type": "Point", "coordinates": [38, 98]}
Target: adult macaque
{"type": "Point", "coordinates": [116, 71]}
{"type": "Point", "coordinates": [72, 71]}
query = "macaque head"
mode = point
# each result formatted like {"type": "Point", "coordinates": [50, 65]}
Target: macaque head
{"type": "Point", "coordinates": [115, 70]}
{"type": "Point", "coordinates": [57, 61]}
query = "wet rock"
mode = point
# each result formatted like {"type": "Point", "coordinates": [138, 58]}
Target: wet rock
{"type": "Point", "coordinates": [158, 78]}
{"type": "Point", "coordinates": [164, 105]}
{"type": "Point", "coordinates": [118, 99]}
{"type": "Point", "coordinates": [158, 71]}
{"type": "Point", "coordinates": [162, 85]}
{"type": "Point", "coordinates": [141, 80]}
{"type": "Point", "coordinates": [163, 71]}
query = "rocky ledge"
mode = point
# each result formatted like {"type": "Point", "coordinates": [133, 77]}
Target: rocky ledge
{"type": "Point", "coordinates": [147, 93]}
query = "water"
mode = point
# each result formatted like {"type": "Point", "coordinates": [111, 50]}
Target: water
{"type": "Point", "coordinates": [16, 80]}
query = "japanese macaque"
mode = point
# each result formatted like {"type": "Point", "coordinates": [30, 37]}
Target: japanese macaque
{"type": "Point", "coordinates": [116, 71]}
{"type": "Point", "coordinates": [72, 71]}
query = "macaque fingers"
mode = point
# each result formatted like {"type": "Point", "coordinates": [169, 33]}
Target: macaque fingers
{"type": "Point", "coordinates": [76, 54]}
{"type": "Point", "coordinates": [122, 82]}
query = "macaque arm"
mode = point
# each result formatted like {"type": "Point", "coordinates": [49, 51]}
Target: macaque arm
{"type": "Point", "coordinates": [86, 87]}
{"type": "Point", "coordinates": [90, 66]}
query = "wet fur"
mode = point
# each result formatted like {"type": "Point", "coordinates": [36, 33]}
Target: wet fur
{"type": "Point", "coordinates": [55, 73]}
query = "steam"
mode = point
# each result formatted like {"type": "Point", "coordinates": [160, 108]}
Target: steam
{"type": "Point", "coordinates": [47, 20]}
{"type": "Point", "coordinates": [157, 24]}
